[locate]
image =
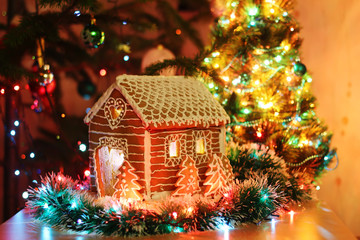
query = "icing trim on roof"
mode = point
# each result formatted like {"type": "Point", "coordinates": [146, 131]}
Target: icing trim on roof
{"type": "Point", "coordinates": [166, 100]}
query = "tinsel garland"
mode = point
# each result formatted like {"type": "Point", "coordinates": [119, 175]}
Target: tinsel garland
{"type": "Point", "coordinates": [259, 191]}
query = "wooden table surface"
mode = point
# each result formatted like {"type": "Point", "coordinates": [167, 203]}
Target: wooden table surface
{"type": "Point", "coordinates": [316, 222]}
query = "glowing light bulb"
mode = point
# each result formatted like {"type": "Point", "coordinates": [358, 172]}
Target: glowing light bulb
{"type": "Point", "coordinates": [17, 172]}
{"type": "Point", "coordinates": [259, 134]}
{"type": "Point", "coordinates": [63, 115]}
{"type": "Point", "coordinates": [292, 29]}
{"type": "Point", "coordinates": [272, 10]}
{"type": "Point", "coordinates": [257, 82]}
{"type": "Point", "coordinates": [246, 111]}
{"type": "Point", "coordinates": [216, 65]}
{"type": "Point", "coordinates": [16, 123]}
{"type": "Point", "coordinates": [288, 78]}
{"type": "Point", "coordinates": [224, 227]}
{"type": "Point", "coordinates": [252, 23]}
{"type": "Point", "coordinates": [25, 195]}
{"type": "Point", "coordinates": [265, 105]}
{"type": "Point", "coordinates": [190, 210]}
{"type": "Point", "coordinates": [46, 205]}
{"type": "Point", "coordinates": [318, 188]}
{"type": "Point", "coordinates": [207, 60]}
{"type": "Point", "coordinates": [253, 11]}
{"type": "Point", "coordinates": [178, 31]}
{"type": "Point", "coordinates": [82, 147]}
{"type": "Point", "coordinates": [12, 132]}
{"type": "Point", "coordinates": [87, 173]}
{"type": "Point", "coordinates": [232, 16]}
{"type": "Point", "coordinates": [175, 215]}
{"type": "Point", "coordinates": [126, 58]}
{"type": "Point", "coordinates": [309, 80]}
{"type": "Point", "coordinates": [225, 21]}
{"type": "Point", "coordinates": [236, 81]}
{"type": "Point", "coordinates": [211, 85]}
{"type": "Point", "coordinates": [226, 195]}
{"type": "Point", "coordinates": [256, 67]}
{"type": "Point", "coordinates": [278, 58]}
{"type": "Point", "coordinates": [287, 47]}
{"type": "Point", "coordinates": [32, 155]}
{"type": "Point", "coordinates": [73, 205]}
{"type": "Point", "coordinates": [215, 54]}
{"type": "Point", "coordinates": [2, 91]}
{"type": "Point", "coordinates": [17, 87]}
{"type": "Point", "coordinates": [225, 78]}
{"type": "Point", "coordinates": [276, 114]}
{"type": "Point", "coordinates": [77, 13]}
{"type": "Point", "coordinates": [79, 221]}
{"type": "Point", "coordinates": [285, 14]}
{"type": "Point", "coordinates": [266, 62]}
{"type": "Point", "coordinates": [103, 72]}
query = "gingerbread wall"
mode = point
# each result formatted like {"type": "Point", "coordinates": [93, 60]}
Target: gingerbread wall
{"type": "Point", "coordinates": [163, 169]}
{"type": "Point", "coordinates": [130, 128]}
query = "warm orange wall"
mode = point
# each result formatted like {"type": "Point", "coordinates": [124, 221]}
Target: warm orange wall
{"type": "Point", "coordinates": [331, 50]}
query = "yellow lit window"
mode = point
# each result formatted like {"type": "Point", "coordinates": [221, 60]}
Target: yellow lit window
{"type": "Point", "coordinates": [200, 146]}
{"type": "Point", "coordinates": [174, 148]}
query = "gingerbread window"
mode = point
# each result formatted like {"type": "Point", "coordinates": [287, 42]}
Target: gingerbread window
{"type": "Point", "coordinates": [200, 146]}
{"type": "Point", "coordinates": [175, 149]}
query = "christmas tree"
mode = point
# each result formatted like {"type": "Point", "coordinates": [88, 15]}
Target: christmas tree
{"type": "Point", "coordinates": [127, 186]}
{"type": "Point", "coordinates": [264, 85]}
{"type": "Point", "coordinates": [216, 180]}
{"type": "Point", "coordinates": [188, 182]}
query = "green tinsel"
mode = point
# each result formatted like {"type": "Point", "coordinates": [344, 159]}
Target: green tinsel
{"type": "Point", "coordinates": [59, 202]}
{"type": "Point", "coordinates": [252, 160]}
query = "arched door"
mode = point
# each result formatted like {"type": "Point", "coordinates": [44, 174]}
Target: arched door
{"type": "Point", "coordinates": [108, 159]}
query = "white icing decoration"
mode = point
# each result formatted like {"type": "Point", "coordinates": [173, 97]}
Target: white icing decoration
{"type": "Point", "coordinates": [216, 177]}
{"type": "Point", "coordinates": [114, 111]}
{"type": "Point", "coordinates": [222, 139]}
{"type": "Point", "coordinates": [166, 100]}
{"type": "Point", "coordinates": [147, 163]}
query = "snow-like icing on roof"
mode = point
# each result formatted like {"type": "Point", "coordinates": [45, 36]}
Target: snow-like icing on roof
{"type": "Point", "coordinates": [166, 100]}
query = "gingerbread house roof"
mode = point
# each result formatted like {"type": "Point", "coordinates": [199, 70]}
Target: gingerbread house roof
{"type": "Point", "coordinates": [166, 101]}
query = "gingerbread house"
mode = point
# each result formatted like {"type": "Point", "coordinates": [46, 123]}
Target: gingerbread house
{"type": "Point", "coordinates": [145, 131]}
